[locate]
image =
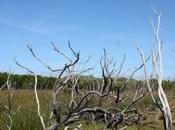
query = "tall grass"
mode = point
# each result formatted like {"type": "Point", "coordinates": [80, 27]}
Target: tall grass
{"type": "Point", "coordinates": [26, 118]}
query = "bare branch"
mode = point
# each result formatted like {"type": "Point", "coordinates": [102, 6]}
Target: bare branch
{"type": "Point", "coordinates": [57, 50]}
{"type": "Point", "coordinates": [36, 94]}
{"type": "Point", "coordinates": [38, 59]}
{"type": "Point", "coordinates": [159, 73]}
{"type": "Point", "coordinates": [146, 76]}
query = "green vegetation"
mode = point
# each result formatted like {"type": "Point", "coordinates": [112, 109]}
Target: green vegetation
{"type": "Point", "coordinates": [26, 118]}
{"type": "Point", "coordinates": [27, 81]}
{"type": "Point", "coordinates": [24, 107]}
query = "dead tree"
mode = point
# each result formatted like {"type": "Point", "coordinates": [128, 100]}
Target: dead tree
{"type": "Point", "coordinates": [60, 83]}
{"type": "Point", "coordinates": [79, 106]}
{"type": "Point", "coordinates": [158, 71]}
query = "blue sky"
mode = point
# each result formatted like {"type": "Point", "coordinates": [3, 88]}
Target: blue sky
{"type": "Point", "coordinates": [90, 25]}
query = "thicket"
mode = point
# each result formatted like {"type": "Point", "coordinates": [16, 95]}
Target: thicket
{"type": "Point", "coordinates": [26, 81]}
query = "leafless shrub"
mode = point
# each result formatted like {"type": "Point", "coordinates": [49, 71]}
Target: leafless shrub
{"type": "Point", "coordinates": [9, 106]}
{"type": "Point", "coordinates": [105, 109]}
{"type": "Point", "coordinates": [158, 71]}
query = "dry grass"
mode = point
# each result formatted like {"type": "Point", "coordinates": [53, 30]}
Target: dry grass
{"type": "Point", "coordinates": [26, 118]}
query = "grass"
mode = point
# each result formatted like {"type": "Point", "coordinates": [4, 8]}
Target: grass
{"type": "Point", "coordinates": [26, 118]}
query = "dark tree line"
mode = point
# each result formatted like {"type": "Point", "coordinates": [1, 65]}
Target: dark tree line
{"type": "Point", "coordinates": [26, 81]}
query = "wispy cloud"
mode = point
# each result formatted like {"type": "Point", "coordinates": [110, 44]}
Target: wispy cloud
{"type": "Point", "coordinates": [31, 28]}
{"type": "Point", "coordinates": [68, 28]}
{"type": "Point", "coordinates": [38, 26]}
{"type": "Point", "coordinates": [116, 36]}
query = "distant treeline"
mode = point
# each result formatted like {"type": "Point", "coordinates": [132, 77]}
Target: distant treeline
{"type": "Point", "coordinates": [26, 81]}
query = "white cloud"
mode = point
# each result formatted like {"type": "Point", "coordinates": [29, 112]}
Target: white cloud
{"type": "Point", "coordinates": [38, 27]}
{"type": "Point", "coordinates": [33, 28]}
